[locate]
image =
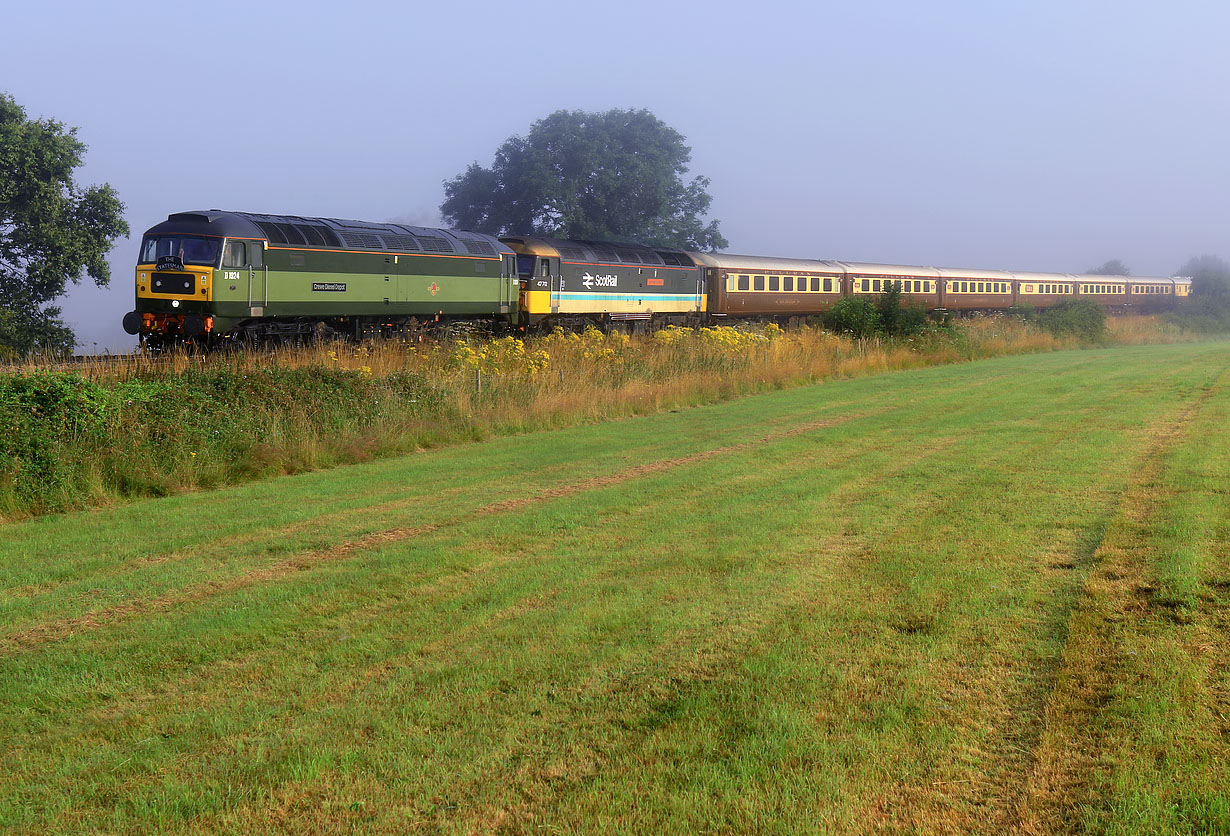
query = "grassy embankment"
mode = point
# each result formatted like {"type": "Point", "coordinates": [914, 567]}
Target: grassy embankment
{"type": "Point", "coordinates": [141, 427]}
{"type": "Point", "coordinates": [985, 598]}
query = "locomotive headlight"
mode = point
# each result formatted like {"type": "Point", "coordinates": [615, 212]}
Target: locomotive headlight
{"type": "Point", "coordinates": [174, 303]}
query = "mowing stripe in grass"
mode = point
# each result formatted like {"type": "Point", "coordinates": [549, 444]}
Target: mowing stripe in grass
{"type": "Point", "coordinates": [1070, 781]}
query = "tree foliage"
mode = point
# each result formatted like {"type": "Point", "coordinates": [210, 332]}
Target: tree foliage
{"type": "Point", "coordinates": [51, 230]}
{"type": "Point", "coordinates": [616, 175]}
{"type": "Point", "coordinates": [1210, 277]}
{"type": "Point", "coordinates": [1114, 267]}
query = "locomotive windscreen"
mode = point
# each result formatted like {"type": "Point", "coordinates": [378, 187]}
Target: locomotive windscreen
{"type": "Point", "coordinates": [190, 249]}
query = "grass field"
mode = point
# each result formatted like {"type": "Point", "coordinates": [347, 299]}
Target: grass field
{"type": "Point", "coordinates": [983, 598]}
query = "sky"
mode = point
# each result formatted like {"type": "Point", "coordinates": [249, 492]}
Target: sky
{"type": "Point", "coordinates": [1044, 135]}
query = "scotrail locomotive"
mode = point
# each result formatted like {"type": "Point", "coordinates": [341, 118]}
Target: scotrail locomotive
{"type": "Point", "coordinates": [210, 277]}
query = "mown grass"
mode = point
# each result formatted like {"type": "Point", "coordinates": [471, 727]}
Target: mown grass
{"type": "Point", "coordinates": [152, 427]}
{"type": "Point", "coordinates": [872, 604]}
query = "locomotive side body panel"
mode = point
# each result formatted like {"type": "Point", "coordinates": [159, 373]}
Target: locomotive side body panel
{"type": "Point", "coordinates": [605, 283]}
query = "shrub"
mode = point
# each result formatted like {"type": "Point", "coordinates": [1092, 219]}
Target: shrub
{"type": "Point", "coordinates": [853, 315]}
{"type": "Point", "coordinates": [887, 316]}
{"type": "Point", "coordinates": [1080, 318]}
{"type": "Point", "coordinates": [1203, 316]}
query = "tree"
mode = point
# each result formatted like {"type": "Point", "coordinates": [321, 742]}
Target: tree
{"type": "Point", "coordinates": [1114, 267]}
{"type": "Point", "coordinates": [616, 175]}
{"type": "Point", "coordinates": [1210, 277]}
{"type": "Point", "coordinates": [51, 230]}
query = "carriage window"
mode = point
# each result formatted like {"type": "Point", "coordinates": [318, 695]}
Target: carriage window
{"type": "Point", "coordinates": [828, 284]}
{"type": "Point", "coordinates": [744, 283]}
{"type": "Point", "coordinates": [774, 283]}
{"type": "Point", "coordinates": [758, 282]}
{"type": "Point", "coordinates": [788, 283]}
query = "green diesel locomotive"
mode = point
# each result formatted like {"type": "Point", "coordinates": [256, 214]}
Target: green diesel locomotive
{"type": "Point", "coordinates": [209, 276]}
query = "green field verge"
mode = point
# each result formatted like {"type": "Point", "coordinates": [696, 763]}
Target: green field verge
{"type": "Point", "coordinates": [982, 598]}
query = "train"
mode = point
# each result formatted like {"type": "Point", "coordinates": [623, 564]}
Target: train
{"type": "Point", "coordinates": [209, 278]}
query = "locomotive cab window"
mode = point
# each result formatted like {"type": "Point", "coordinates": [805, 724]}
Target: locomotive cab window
{"type": "Point", "coordinates": [235, 254]}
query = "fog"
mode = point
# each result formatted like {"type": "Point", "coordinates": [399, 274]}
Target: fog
{"type": "Point", "coordinates": [1045, 135]}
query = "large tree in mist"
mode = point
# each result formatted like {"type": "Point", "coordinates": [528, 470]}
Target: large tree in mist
{"type": "Point", "coordinates": [1210, 277]}
{"type": "Point", "coordinates": [1114, 267]}
{"type": "Point", "coordinates": [616, 175]}
{"type": "Point", "coordinates": [51, 230]}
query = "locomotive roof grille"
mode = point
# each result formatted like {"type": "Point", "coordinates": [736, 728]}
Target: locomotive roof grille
{"type": "Point", "coordinates": [399, 242]}
{"type": "Point", "coordinates": [289, 234]}
{"type": "Point", "coordinates": [628, 256]}
{"type": "Point", "coordinates": [363, 240]}
{"type": "Point", "coordinates": [675, 259]}
{"type": "Point", "coordinates": [602, 253]}
{"type": "Point", "coordinates": [435, 244]}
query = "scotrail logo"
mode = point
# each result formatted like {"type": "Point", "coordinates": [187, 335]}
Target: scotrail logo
{"type": "Point", "coordinates": [590, 282]}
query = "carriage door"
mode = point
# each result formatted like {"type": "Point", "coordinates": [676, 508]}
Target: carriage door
{"type": "Point", "coordinates": [508, 280]}
{"type": "Point", "coordinates": [242, 261]}
{"type": "Point", "coordinates": [549, 269]}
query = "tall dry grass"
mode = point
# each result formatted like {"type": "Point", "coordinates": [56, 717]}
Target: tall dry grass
{"type": "Point", "coordinates": [245, 415]}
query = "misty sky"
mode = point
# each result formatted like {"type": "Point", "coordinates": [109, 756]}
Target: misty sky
{"type": "Point", "coordinates": [1033, 135]}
